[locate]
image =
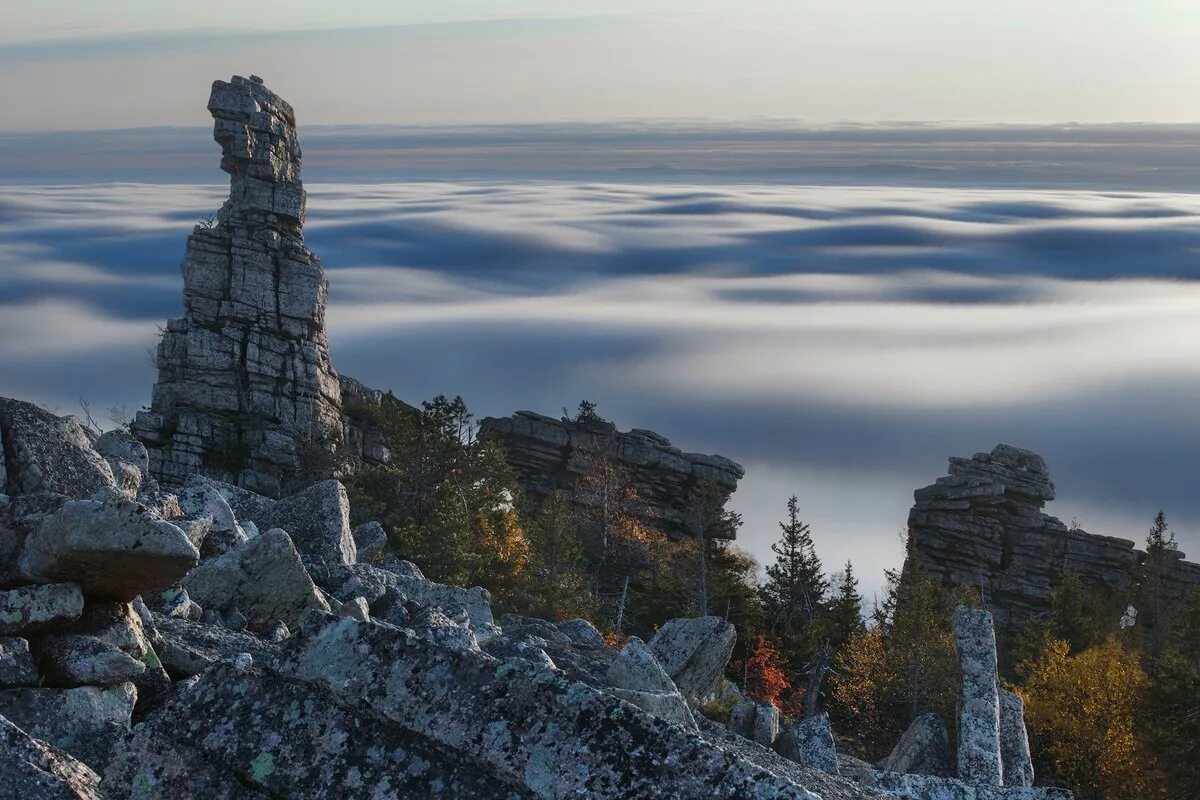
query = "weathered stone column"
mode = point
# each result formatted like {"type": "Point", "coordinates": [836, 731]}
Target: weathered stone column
{"type": "Point", "coordinates": [979, 761]}
{"type": "Point", "coordinates": [1014, 741]}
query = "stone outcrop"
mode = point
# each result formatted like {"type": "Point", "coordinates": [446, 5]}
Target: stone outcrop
{"type": "Point", "coordinates": [564, 457]}
{"type": "Point", "coordinates": [245, 384]}
{"type": "Point", "coordinates": [810, 743]}
{"type": "Point", "coordinates": [758, 722]}
{"type": "Point", "coordinates": [694, 652]}
{"type": "Point", "coordinates": [979, 762]}
{"type": "Point", "coordinates": [1014, 741]}
{"type": "Point", "coordinates": [46, 453]}
{"type": "Point", "coordinates": [982, 527]}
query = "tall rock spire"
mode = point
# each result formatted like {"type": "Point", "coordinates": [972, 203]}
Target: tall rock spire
{"type": "Point", "coordinates": [244, 378]}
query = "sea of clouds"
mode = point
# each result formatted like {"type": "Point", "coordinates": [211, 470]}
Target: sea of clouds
{"type": "Point", "coordinates": [840, 342]}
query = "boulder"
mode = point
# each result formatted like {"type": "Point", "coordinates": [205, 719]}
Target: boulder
{"type": "Point", "coordinates": [758, 722]}
{"type": "Point", "coordinates": [923, 749]}
{"type": "Point", "coordinates": [17, 667]}
{"type": "Point", "coordinates": [87, 722]}
{"type": "Point", "coordinates": [116, 624]}
{"type": "Point", "coordinates": [441, 630]}
{"type": "Point", "coordinates": [930, 787]}
{"type": "Point", "coordinates": [46, 453]}
{"type": "Point", "coordinates": [810, 743]}
{"type": "Point", "coordinates": [979, 761]}
{"type": "Point", "coordinates": [582, 632]}
{"type": "Point", "coordinates": [120, 445]}
{"type": "Point", "coordinates": [71, 659]}
{"type": "Point", "coordinates": [34, 770]}
{"type": "Point", "coordinates": [369, 541]}
{"type": "Point", "coordinates": [262, 578]}
{"type": "Point", "coordinates": [113, 550]}
{"type": "Point", "coordinates": [694, 653]}
{"type": "Point", "coordinates": [528, 727]}
{"type": "Point", "coordinates": [29, 609]}
{"type": "Point", "coordinates": [669, 706]}
{"type": "Point", "coordinates": [236, 734]}
{"type": "Point", "coordinates": [187, 648]}
{"type": "Point", "coordinates": [1014, 741]}
{"type": "Point", "coordinates": [637, 668]}
{"type": "Point", "coordinates": [318, 520]}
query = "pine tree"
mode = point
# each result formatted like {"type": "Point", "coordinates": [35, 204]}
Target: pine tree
{"type": "Point", "coordinates": [1153, 605]}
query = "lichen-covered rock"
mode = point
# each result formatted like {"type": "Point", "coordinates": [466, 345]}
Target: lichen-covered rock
{"type": "Point", "coordinates": [29, 609]}
{"type": "Point", "coordinates": [694, 652]}
{"type": "Point", "coordinates": [187, 648]}
{"type": "Point", "coordinates": [113, 550]}
{"type": "Point", "coordinates": [979, 706]}
{"type": "Point", "coordinates": [33, 770]}
{"type": "Point", "coordinates": [318, 520]}
{"type": "Point", "coordinates": [929, 787]}
{"type": "Point", "coordinates": [1014, 741]}
{"type": "Point", "coordinates": [369, 541]}
{"type": "Point", "coordinates": [669, 706]}
{"type": "Point", "coordinates": [117, 624]}
{"type": "Point", "coordinates": [17, 667]}
{"type": "Point", "coordinates": [810, 742]}
{"type": "Point", "coordinates": [262, 578]}
{"type": "Point", "coordinates": [557, 456]}
{"type": "Point", "coordinates": [174, 601]}
{"type": "Point", "coordinates": [527, 726]}
{"type": "Point", "coordinates": [637, 668]}
{"type": "Point", "coordinates": [758, 722]}
{"type": "Point", "coordinates": [87, 722]}
{"type": "Point", "coordinates": [72, 659]}
{"type": "Point", "coordinates": [581, 632]}
{"type": "Point", "coordinates": [121, 445]}
{"type": "Point", "coordinates": [46, 453]}
{"type": "Point", "coordinates": [274, 738]}
{"type": "Point", "coordinates": [245, 386]}
{"type": "Point", "coordinates": [923, 749]}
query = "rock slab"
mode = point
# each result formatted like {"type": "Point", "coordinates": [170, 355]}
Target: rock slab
{"type": "Point", "coordinates": [979, 762]}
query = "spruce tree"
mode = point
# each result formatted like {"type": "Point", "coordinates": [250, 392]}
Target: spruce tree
{"type": "Point", "coordinates": [844, 612]}
{"type": "Point", "coordinates": [794, 592]}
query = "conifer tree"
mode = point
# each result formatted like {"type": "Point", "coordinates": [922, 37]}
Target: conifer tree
{"type": "Point", "coordinates": [843, 614]}
{"type": "Point", "coordinates": [796, 586]}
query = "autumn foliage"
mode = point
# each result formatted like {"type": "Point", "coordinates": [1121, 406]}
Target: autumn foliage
{"type": "Point", "coordinates": [764, 678]}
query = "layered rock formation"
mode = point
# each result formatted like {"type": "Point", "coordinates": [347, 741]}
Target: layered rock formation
{"type": "Point", "coordinates": [982, 527]}
{"type": "Point", "coordinates": [245, 382]}
{"type": "Point", "coordinates": [573, 458]}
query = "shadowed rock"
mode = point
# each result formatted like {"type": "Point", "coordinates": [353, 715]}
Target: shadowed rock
{"type": "Point", "coordinates": [29, 609]}
{"type": "Point", "coordinates": [262, 578]}
{"type": "Point", "coordinates": [758, 722]}
{"type": "Point", "coordinates": [1014, 741]}
{"type": "Point", "coordinates": [810, 742]}
{"type": "Point", "coordinates": [113, 550]}
{"type": "Point", "coordinates": [87, 722]}
{"type": "Point", "coordinates": [17, 667]}
{"type": "Point", "coordinates": [46, 453]}
{"type": "Point", "coordinates": [33, 770]}
{"type": "Point", "coordinates": [694, 653]}
{"type": "Point", "coordinates": [923, 749]}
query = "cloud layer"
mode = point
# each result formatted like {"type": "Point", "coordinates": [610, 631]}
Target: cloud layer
{"type": "Point", "coordinates": [841, 342]}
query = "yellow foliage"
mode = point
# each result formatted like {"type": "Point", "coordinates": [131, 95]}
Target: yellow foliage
{"type": "Point", "coordinates": [860, 671]}
{"type": "Point", "coordinates": [1081, 710]}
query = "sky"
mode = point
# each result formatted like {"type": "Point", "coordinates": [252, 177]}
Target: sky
{"type": "Point", "coordinates": [133, 63]}
{"type": "Point", "coordinates": [838, 242]}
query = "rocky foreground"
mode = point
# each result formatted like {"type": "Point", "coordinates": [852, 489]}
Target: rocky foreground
{"type": "Point", "coordinates": [215, 643]}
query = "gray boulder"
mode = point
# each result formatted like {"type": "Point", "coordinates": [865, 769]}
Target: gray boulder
{"type": "Point", "coordinates": [113, 550]}
{"type": "Point", "coordinates": [174, 601]}
{"type": "Point", "coordinates": [116, 624]}
{"type": "Point", "coordinates": [120, 445]}
{"type": "Point", "coordinates": [318, 520]}
{"type": "Point", "coordinates": [34, 770]}
{"type": "Point", "coordinates": [923, 749]}
{"type": "Point", "coordinates": [810, 743]}
{"type": "Point", "coordinates": [262, 578]}
{"type": "Point", "coordinates": [46, 453]}
{"type": "Point", "coordinates": [87, 722]}
{"type": "Point", "coordinates": [669, 706]}
{"type": "Point", "coordinates": [694, 652]}
{"type": "Point", "coordinates": [930, 787]}
{"type": "Point", "coordinates": [17, 667]}
{"type": "Point", "coordinates": [582, 632]}
{"type": "Point", "coordinates": [187, 648]}
{"type": "Point", "coordinates": [1014, 741]}
{"type": "Point", "coordinates": [71, 659]}
{"type": "Point", "coordinates": [369, 541]}
{"type": "Point", "coordinates": [29, 609]}
{"type": "Point", "coordinates": [758, 722]}
{"type": "Point", "coordinates": [979, 761]}
{"type": "Point", "coordinates": [637, 668]}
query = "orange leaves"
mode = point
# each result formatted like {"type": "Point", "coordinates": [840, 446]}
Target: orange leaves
{"type": "Point", "coordinates": [860, 671]}
{"type": "Point", "coordinates": [765, 678]}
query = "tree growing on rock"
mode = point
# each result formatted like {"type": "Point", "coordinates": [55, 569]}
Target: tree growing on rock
{"type": "Point", "coordinates": [794, 592]}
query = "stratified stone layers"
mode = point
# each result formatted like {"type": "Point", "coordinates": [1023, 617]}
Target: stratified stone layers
{"type": "Point", "coordinates": [982, 527]}
{"type": "Point", "coordinates": [245, 382]}
{"type": "Point", "coordinates": [555, 456]}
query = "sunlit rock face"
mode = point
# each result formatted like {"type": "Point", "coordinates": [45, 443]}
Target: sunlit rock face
{"type": "Point", "coordinates": [982, 527]}
{"type": "Point", "coordinates": [650, 479]}
{"type": "Point", "coordinates": [245, 384]}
